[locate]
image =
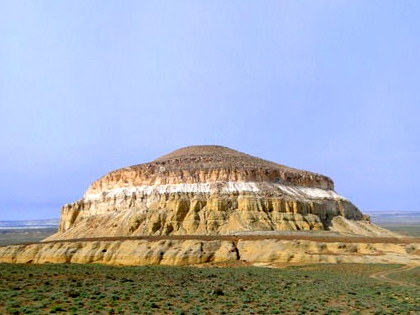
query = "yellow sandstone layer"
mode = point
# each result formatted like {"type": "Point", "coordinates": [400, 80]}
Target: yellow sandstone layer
{"type": "Point", "coordinates": [201, 213]}
{"type": "Point", "coordinates": [195, 252]}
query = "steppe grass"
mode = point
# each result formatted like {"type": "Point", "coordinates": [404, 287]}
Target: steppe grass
{"type": "Point", "coordinates": [411, 276]}
{"type": "Point", "coordinates": [99, 289]}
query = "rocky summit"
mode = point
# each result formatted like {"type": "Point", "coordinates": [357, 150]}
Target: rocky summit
{"type": "Point", "coordinates": [210, 190]}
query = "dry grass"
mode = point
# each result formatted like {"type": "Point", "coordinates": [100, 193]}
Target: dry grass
{"type": "Point", "coordinates": [95, 289]}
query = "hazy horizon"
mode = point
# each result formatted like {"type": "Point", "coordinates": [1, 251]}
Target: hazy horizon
{"type": "Point", "coordinates": [88, 87]}
{"type": "Point", "coordinates": [367, 212]}
{"type": "Point", "coordinates": [403, 212]}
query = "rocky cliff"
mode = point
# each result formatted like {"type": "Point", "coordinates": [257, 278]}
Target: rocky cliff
{"type": "Point", "coordinates": [209, 190]}
{"type": "Point", "coordinates": [269, 252]}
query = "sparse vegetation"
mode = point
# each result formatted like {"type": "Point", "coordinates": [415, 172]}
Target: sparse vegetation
{"type": "Point", "coordinates": [98, 289]}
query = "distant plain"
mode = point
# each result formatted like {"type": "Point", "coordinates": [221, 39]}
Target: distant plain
{"type": "Point", "coordinates": [402, 222]}
{"type": "Point", "coordinates": [25, 235]}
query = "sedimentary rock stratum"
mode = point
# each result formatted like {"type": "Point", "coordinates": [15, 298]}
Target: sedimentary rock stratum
{"type": "Point", "coordinates": [210, 190]}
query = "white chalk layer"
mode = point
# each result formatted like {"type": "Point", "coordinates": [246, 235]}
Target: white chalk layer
{"type": "Point", "coordinates": [222, 187]}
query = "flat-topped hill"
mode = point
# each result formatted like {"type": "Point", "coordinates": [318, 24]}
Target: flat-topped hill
{"type": "Point", "coordinates": [210, 190]}
{"type": "Point", "coordinates": [211, 204]}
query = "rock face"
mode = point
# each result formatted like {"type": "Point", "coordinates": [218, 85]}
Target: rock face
{"type": "Point", "coordinates": [190, 252]}
{"type": "Point", "coordinates": [209, 190]}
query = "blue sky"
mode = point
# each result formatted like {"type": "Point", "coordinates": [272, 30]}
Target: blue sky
{"type": "Point", "coordinates": [90, 86]}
